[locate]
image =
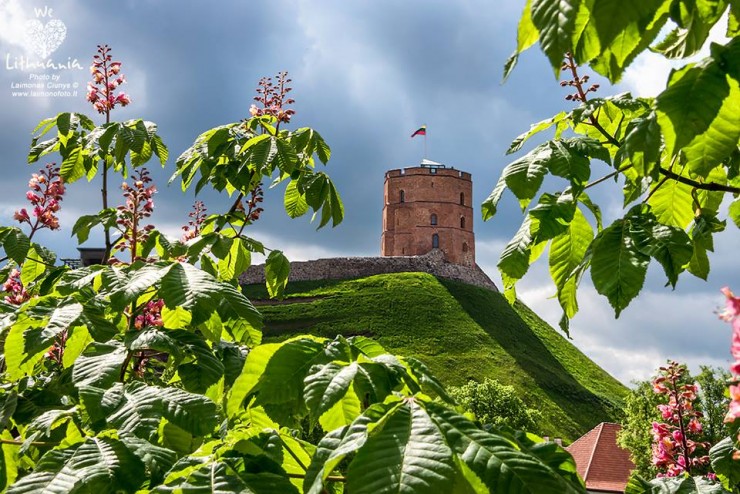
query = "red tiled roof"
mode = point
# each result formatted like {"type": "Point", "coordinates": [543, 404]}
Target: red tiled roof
{"type": "Point", "coordinates": [600, 462]}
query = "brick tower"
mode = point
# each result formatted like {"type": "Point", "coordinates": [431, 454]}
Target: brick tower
{"type": "Point", "coordinates": [429, 207]}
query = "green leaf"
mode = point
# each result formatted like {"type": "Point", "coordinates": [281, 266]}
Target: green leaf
{"type": "Point", "coordinates": [235, 262]}
{"type": "Point", "coordinates": [705, 225]}
{"type": "Point", "coordinates": [254, 368]}
{"type": "Point", "coordinates": [99, 365]}
{"type": "Point", "coordinates": [709, 149]}
{"type": "Point", "coordinates": [176, 318]}
{"type": "Point", "coordinates": [243, 332]}
{"type": "Point", "coordinates": [555, 19]}
{"type": "Point", "coordinates": [33, 267]}
{"type": "Point", "coordinates": [8, 405]}
{"type": "Point", "coordinates": [295, 202]}
{"type": "Point", "coordinates": [515, 259]}
{"type": "Point", "coordinates": [232, 359]}
{"type": "Point", "coordinates": [488, 207]}
{"type": "Point", "coordinates": [496, 461]}
{"type": "Point", "coordinates": [277, 271]}
{"type": "Point", "coordinates": [160, 149]}
{"type": "Point", "coordinates": [567, 251]}
{"type": "Point", "coordinates": [18, 359]}
{"type": "Point", "coordinates": [612, 17]}
{"type": "Point", "coordinates": [407, 452]}
{"type": "Point", "coordinates": [282, 380]}
{"type": "Point", "coordinates": [62, 318]}
{"type": "Point", "coordinates": [73, 166]}
{"type": "Point", "coordinates": [668, 245]}
{"type": "Point", "coordinates": [569, 162]}
{"type": "Point", "coordinates": [244, 475]}
{"type": "Point", "coordinates": [629, 42]}
{"type": "Point", "coordinates": [692, 101]}
{"type": "Point", "coordinates": [156, 459]}
{"type": "Point", "coordinates": [677, 485]}
{"type": "Point", "coordinates": [733, 20]}
{"type": "Point", "coordinates": [553, 213]}
{"type": "Point", "coordinates": [184, 285]}
{"type": "Point", "coordinates": [642, 145]}
{"type": "Point", "coordinates": [16, 245]}
{"type": "Point", "coordinates": [9, 460]}
{"type": "Point", "coordinates": [538, 127]}
{"type": "Point", "coordinates": [205, 371]}
{"type": "Point", "coordinates": [672, 203]}
{"type": "Point", "coordinates": [153, 338]}
{"type": "Point", "coordinates": [734, 212]}
{"type": "Point", "coordinates": [103, 465]}
{"type": "Point", "coordinates": [526, 36]}
{"type": "Point", "coordinates": [83, 225]}
{"type": "Point", "coordinates": [137, 408]}
{"type": "Point", "coordinates": [126, 288]}
{"type": "Point", "coordinates": [78, 338]}
{"type": "Point", "coordinates": [618, 267]}
{"type": "Point", "coordinates": [524, 176]}
{"type": "Point", "coordinates": [723, 460]}
{"type": "Point", "coordinates": [327, 385]}
{"type": "Point", "coordinates": [102, 326]}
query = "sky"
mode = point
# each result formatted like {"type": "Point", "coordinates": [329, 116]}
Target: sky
{"type": "Point", "coordinates": [365, 74]}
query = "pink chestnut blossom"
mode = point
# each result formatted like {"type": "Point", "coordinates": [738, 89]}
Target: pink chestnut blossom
{"type": "Point", "coordinates": [197, 217]}
{"type": "Point", "coordinates": [672, 448]}
{"type": "Point", "coordinates": [106, 79]}
{"type": "Point", "coordinates": [46, 191]}
{"type": "Point", "coordinates": [13, 286]}
{"type": "Point", "coordinates": [731, 314]}
{"type": "Point", "coordinates": [273, 99]}
{"type": "Point", "coordinates": [151, 315]}
{"type": "Point", "coordinates": [139, 205]}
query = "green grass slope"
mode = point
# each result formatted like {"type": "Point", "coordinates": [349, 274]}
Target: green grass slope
{"type": "Point", "coordinates": [461, 332]}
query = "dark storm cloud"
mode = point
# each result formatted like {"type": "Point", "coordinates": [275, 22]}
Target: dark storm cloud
{"type": "Point", "coordinates": [365, 75]}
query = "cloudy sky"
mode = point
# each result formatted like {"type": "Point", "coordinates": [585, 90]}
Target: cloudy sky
{"type": "Point", "coordinates": [366, 74]}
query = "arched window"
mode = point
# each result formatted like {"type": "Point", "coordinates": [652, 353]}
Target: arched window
{"type": "Point", "coordinates": [462, 222]}
{"type": "Point", "coordinates": [462, 198]}
{"type": "Point", "coordinates": [403, 196]}
{"type": "Point", "coordinates": [465, 246]}
{"type": "Point", "coordinates": [433, 219]}
{"type": "Point", "coordinates": [435, 241]}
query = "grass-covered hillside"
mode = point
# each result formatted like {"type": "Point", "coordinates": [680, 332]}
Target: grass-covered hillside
{"type": "Point", "coordinates": [461, 332]}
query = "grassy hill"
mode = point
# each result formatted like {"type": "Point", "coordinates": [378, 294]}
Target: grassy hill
{"type": "Point", "coordinates": [461, 332]}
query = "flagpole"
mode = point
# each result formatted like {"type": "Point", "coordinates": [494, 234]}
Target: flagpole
{"type": "Point", "coordinates": [425, 145]}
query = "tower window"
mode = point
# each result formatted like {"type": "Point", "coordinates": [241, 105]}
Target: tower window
{"type": "Point", "coordinates": [403, 196]}
{"type": "Point", "coordinates": [433, 219]}
{"type": "Point", "coordinates": [462, 198]}
{"type": "Point", "coordinates": [462, 222]}
{"type": "Point", "coordinates": [435, 241]}
{"type": "Point", "coordinates": [465, 246]}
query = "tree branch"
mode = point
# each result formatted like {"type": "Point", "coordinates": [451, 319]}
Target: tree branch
{"type": "Point", "coordinates": [607, 176]}
{"type": "Point", "coordinates": [710, 186]}
{"type": "Point", "coordinates": [33, 443]}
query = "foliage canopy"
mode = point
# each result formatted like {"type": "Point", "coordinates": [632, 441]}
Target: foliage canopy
{"type": "Point", "coordinates": [675, 156]}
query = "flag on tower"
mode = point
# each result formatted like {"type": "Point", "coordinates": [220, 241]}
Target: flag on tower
{"type": "Point", "coordinates": [422, 131]}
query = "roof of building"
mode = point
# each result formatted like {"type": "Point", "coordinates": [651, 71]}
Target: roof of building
{"type": "Point", "coordinates": [602, 464]}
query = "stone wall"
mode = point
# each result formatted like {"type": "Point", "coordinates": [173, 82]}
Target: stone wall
{"type": "Point", "coordinates": [338, 268]}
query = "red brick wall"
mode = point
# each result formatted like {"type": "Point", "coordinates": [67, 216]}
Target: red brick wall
{"type": "Point", "coordinates": [407, 224]}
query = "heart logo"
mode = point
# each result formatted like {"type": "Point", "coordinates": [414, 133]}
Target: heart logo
{"type": "Point", "coordinates": [45, 39]}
